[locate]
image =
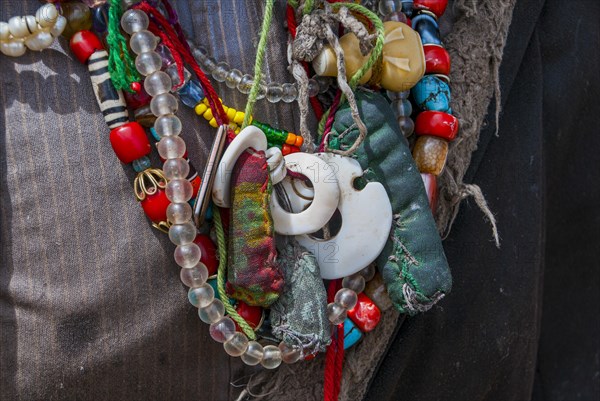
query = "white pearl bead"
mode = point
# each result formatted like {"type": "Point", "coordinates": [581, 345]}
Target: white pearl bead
{"type": "Point", "coordinates": [18, 27]}
{"type": "Point", "coordinates": [39, 41]}
{"type": "Point", "coordinates": [59, 26]}
{"type": "Point", "coordinates": [46, 15]}
{"type": "Point", "coordinates": [14, 48]}
{"type": "Point", "coordinates": [4, 31]}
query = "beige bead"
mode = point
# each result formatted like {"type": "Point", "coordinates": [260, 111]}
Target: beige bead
{"type": "Point", "coordinates": [59, 26]}
{"type": "Point", "coordinates": [430, 154]}
{"type": "Point", "coordinates": [39, 41]}
{"type": "Point", "coordinates": [46, 16]}
{"type": "Point", "coordinates": [13, 48]}
{"type": "Point", "coordinates": [18, 27]}
{"type": "Point", "coordinates": [402, 64]}
{"type": "Point", "coordinates": [4, 31]}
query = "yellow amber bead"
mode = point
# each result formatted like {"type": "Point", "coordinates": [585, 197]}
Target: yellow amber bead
{"type": "Point", "coordinates": [430, 154]}
{"type": "Point", "coordinates": [208, 114]}
{"type": "Point", "coordinates": [291, 139]}
{"type": "Point", "coordinates": [200, 108]}
{"type": "Point", "coordinates": [239, 117]}
{"type": "Point", "coordinates": [213, 123]}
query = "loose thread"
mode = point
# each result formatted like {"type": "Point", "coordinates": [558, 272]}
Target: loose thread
{"type": "Point", "coordinates": [260, 58]}
{"type": "Point", "coordinates": [120, 64]}
{"type": "Point", "coordinates": [292, 27]}
{"type": "Point", "coordinates": [248, 331]}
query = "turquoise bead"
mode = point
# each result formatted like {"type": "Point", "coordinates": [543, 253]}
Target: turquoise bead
{"type": "Point", "coordinates": [141, 164]}
{"type": "Point", "coordinates": [154, 134]}
{"type": "Point", "coordinates": [213, 284]}
{"type": "Point", "coordinates": [432, 93]}
{"type": "Point", "coordinates": [428, 29]}
{"type": "Point", "coordinates": [351, 333]}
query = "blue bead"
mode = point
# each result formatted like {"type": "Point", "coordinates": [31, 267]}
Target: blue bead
{"type": "Point", "coordinates": [428, 29]}
{"type": "Point", "coordinates": [209, 212]}
{"type": "Point", "coordinates": [141, 164]}
{"type": "Point", "coordinates": [100, 19]}
{"type": "Point", "coordinates": [351, 333]}
{"type": "Point", "coordinates": [154, 134]}
{"type": "Point", "coordinates": [191, 93]}
{"type": "Point", "coordinates": [432, 93]}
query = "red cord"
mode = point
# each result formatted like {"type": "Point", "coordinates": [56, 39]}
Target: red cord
{"type": "Point", "coordinates": [330, 118]}
{"type": "Point", "coordinates": [209, 91]}
{"type": "Point", "coordinates": [335, 353]}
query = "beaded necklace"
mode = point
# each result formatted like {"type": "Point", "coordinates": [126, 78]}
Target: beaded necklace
{"type": "Point", "coordinates": [167, 194]}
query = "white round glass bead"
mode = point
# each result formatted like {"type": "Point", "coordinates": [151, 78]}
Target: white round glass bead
{"type": "Point", "coordinates": [236, 345]}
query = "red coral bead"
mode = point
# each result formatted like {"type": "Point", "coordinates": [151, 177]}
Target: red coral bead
{"type": "Point", "coordinates": [437, 60]}
{"type": "Point", "coordinates": [84, 44]}
{"type": "Point", "coordinates": [129, 141]}
{"type": "Point", "coordinates": [430, 182]}
{"type": "Point", "coordinates": [253, 315]}
{"type": "Point", "coordinates": [435, 6]}
{"type": "Point", "coordinates": [437, 123]}
{"type": "Point", "coordinates": [209, 253]}
{"type": "Point", "coordinates": [365, 314]}
{"type": "Point", "coordinates": [155, 206]}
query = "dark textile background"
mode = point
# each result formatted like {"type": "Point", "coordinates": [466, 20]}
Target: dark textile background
{"type": "Point", "coordinates": [90, 301]}
{"type": "Point", "coordinates": [522, 322]}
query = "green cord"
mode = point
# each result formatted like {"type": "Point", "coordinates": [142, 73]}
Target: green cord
{"type": "Point", "coordinates": [308, 6]}
{"type": "Point", "coordinates": [378, 44]}
{"type": "Point", "coordinates": [248, 331]}
{"type": "Point", "coordinates": [260, 57]}
{"type": "Point", "coordinates": [120, 64]}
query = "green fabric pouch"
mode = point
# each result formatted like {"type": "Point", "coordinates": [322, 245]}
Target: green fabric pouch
{"type": "Point", "coordinates": [412, 263]}
{"type": "Point", "coordinates": [299, 316]}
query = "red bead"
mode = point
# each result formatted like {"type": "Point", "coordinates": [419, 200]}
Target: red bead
{"type": "Point", "coordinates": [129, 141]}
{"type": "Point", "coordinates": [430, 182]}
{"type": "Point", "coordinates": [437, 60]}
{"type": "Point", "coordinates": [155, 206]}
{"type": "Point", "coordinates": [195, 186]}
{"type": "Point", "coordinates": [365, 314]}
{"type": "Point", "coordinates": [209, 253]}
{"type": "Point", "coordinates": [138, 99]}
{"type": "Point", "coordinates": [435, 6]}
{"type": "Point", "coordinates": [84, 44]}
{"type": "Point", "coordinates": [253, 315]}
{"type": "Point", "coordinates": [437, 123]}
{"type": "Point", "coordinates": [135, 86]}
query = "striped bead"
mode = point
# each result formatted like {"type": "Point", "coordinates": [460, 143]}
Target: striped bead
{"type": "Point", "coordinates": [111, 100]}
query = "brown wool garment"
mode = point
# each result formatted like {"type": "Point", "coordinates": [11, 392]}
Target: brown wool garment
{"type": "Point", "coordinates": [91, 305]}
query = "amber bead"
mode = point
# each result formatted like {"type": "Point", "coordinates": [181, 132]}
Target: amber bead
{"type": "Point", "coordinates": [430, 154]}
{"type": "Point", "coordinates": [376, 291]}
{"type": "Point", "coordinates": [79, 18]}
{"type": "Point", "coordinates": [144, 116]}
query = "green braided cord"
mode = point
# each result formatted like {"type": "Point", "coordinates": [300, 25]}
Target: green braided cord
{"type": "Point", "coordinates": [322, 122]}
{"type": "Point", "coordinates": [120, 64]}
{"type": "Point", "coordinates": [260, 57]}
{"type": "Point", "coordinates": [308, 6]}
{"type": "Point", "coordinates": [293, 3]}
{"type": "Point", "coordinates": [376, 21]}
{"type": "Point", "coordinates": [248, 331]}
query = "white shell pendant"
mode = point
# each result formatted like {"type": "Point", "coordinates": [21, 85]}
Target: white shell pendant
{"type": "Point", "coordinates": [366, 222]}
{"type": "Point", "coordinates": [325, 198]}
